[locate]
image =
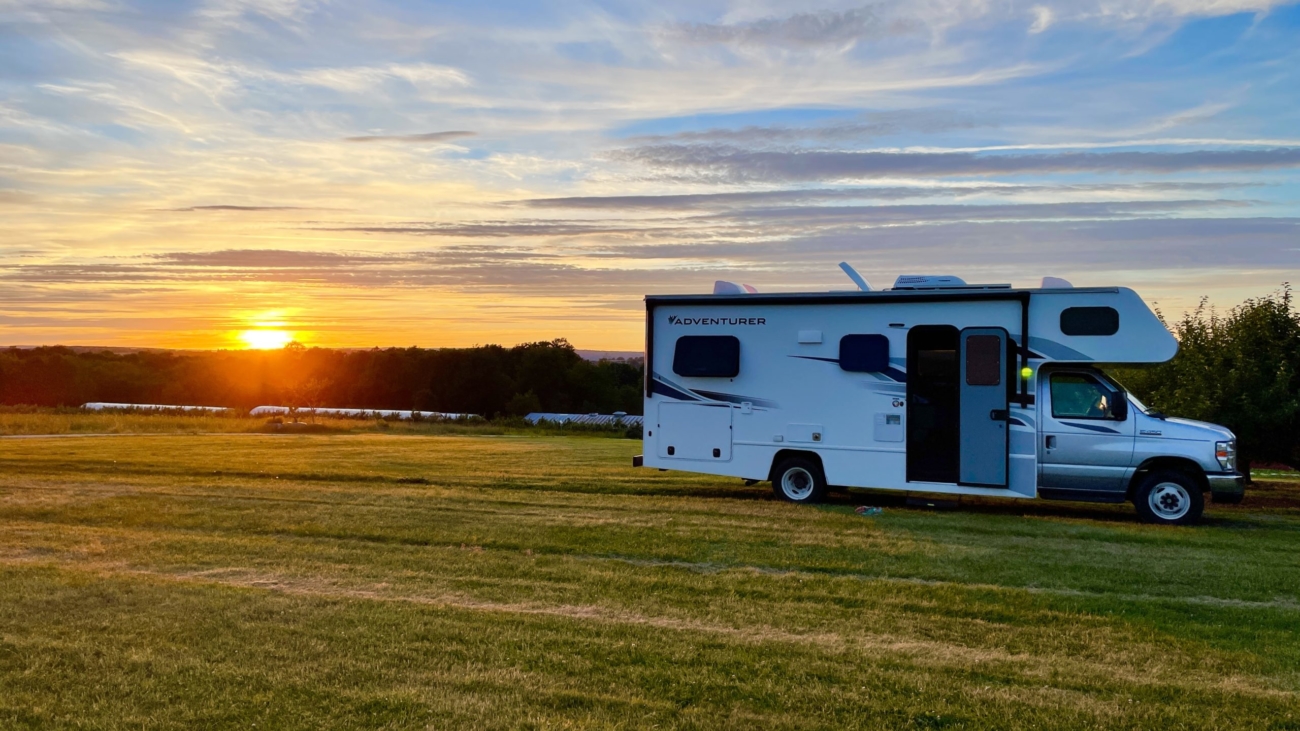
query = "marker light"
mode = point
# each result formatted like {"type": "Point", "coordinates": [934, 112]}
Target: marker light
{"type": "Point", "coordinates": [1026, 373]}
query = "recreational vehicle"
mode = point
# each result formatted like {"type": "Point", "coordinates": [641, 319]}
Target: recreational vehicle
{"type": "Point", "coordinates": [934, 386]}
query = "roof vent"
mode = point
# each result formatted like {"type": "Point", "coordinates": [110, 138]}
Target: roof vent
{"type": "Point", "coordinates": [928, 281]}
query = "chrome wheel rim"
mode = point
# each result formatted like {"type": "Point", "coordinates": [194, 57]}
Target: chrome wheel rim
{"type": "Point", "coordinates": [797, 483]}
{"type": "Point", "coordinates": [1169, 501]}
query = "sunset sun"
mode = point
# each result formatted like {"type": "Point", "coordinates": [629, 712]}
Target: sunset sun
{"type": "Point", "coordinates": [265, 339]}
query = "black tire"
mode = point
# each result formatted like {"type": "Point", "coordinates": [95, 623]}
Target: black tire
{"type": "Point", "coordinates": [799, 480]}
{"type": "Point", "coordinates": [1169, 497]}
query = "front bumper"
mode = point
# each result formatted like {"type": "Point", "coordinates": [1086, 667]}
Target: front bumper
{"type": "Point", "coordinates": [1226, 485]}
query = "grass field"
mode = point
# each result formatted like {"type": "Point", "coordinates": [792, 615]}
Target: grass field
{"type": "Point", "coordinates": [400, 581]}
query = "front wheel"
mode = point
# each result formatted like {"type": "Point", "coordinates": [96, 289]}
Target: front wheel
{"type": "Point", "coordinates": [799, 480]}
{"type": "Point", "coordinates": [1167, 497]}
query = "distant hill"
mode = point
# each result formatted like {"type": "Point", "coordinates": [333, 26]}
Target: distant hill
{"type": "Point", "coordinates": [119, 350]}
{"type": "Point", "coordinates": [629, 355]}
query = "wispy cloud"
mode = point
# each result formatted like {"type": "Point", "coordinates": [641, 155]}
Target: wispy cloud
{"type": "Point", "coordinates": [192, 209]}
{"type": "Point", "coordinates": [1008, 246]}
{"type": "Point", "coordinates": [422, 137]}
{"type": "Point", "coordinates": [871, 125]}
{"type": "Point", "coordinates": [733, 164]}
{"type": "Point", "coordinates": [365, 78]}
{"type": "Point", "coordinates": [813, 195]}
{"type": "Point", "coordinates": [266, 258]}
{"type": "Point", "coordinates": [802, 30]}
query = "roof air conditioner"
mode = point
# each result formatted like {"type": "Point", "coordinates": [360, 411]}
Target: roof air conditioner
{"type": "Point", "coordinates": [928, 281]}
{"type": "Point", "coordinates": [721, 287]}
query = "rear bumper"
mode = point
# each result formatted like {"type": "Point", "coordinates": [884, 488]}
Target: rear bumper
{"type": "Point", "coordinates": [1227, 484]}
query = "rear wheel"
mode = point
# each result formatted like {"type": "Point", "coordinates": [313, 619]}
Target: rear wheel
{"type": "Point", "coordinates": [1168, 497]}
{"type": "Point", "coordinates": [799, 480]}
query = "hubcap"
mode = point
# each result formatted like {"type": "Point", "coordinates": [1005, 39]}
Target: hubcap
{"type": "Point", "coordinates": [1169, 501]}
{"type": "Point", "coordinates": [797, 483]}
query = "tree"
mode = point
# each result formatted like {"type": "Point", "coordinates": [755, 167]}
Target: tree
{"type": "Point", "coordinates": [488, 380]}
{"type": "Point", "coordinates": [1241, 370]}
{"type": "Point", "coordinates": [308, 394]}
{"type": "Point", "coordinates": [523, 404]}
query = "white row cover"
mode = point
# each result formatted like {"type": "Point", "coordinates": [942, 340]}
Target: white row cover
{"type": "Point", "coordinates": [364, 413]}
{"type": "Point", "coordinates": [102, 405]}
{"type": "Point", "coordinates": [272, 410]}
{"type": "Point", "coordinates": [594, 419]}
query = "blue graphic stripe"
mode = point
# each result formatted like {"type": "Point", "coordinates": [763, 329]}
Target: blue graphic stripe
{"type": "Point", "coordinates": [1092, 427]}
{"type": "Point", "coordinates": [733, 399]}
{"type": "Point", "coordinates": [895, 374]}
{"type": "Point", "coordinates": [663, 389]}
{"type": "Point", "coordinates": [891, 372]}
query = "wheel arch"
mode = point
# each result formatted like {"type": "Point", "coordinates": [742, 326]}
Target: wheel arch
{"type": "Point", "coordinates": [1178, 464]}
{"type": "Point", "coordinates": [784, 454]}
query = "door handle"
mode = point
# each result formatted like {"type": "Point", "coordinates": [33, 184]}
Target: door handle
{"type": "Point", "coordinates": [1051, 442]}
{"type": "Point", "coordinates": [1000, 414]}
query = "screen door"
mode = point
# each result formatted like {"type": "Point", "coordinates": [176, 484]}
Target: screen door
{"type": "Point", "coordinates": [984, 414]}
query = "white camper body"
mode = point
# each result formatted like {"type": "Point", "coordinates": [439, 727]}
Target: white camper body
{"type": "Point", "coordinates": [925, 390]}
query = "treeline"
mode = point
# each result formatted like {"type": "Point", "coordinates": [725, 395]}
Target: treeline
{"type": "Point", "coordinates": [1240, 369]}
{"type": "Point", "coordinates": [490, 380]}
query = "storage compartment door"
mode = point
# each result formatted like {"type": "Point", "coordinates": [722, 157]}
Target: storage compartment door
{"type": "Point", "coordinates": [694, 431]}
{"type": "Point", "coordinates": [984, 415]}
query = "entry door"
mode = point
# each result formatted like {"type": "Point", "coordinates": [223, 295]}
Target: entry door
{"type": "Point", "coordinates": [984, 412]}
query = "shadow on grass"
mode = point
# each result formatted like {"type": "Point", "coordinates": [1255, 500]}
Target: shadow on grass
{"type": "Point", "coordinates": [959, 504]}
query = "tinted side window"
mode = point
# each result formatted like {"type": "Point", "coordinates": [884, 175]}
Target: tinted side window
{"type": "Point", "coordinates": [1089, 321]}
{"type": "Point", "coordinates": [1076, 396]}
{"type": "Point", "coordinates": [864, 353]}
{"type": "Point", "coordinates": [707, 356]}
{"type": "Point", "coordinates": [983, 360]}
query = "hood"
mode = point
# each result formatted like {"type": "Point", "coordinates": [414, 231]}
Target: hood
{"type": "Point", "coordinates": [1190, 429]}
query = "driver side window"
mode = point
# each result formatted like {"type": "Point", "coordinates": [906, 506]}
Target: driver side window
{"type": "Point", "coordinates": [1080, 396]}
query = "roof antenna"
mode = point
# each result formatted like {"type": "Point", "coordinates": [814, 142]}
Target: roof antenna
{"type": "Point", "coordinates": [857, 278]}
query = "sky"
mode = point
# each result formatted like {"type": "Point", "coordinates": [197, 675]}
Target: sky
{"type": "Point", "coordinates": [231, 172]}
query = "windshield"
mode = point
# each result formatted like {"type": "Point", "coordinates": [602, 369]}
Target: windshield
{"type": "Point", "coordinates": [1138, 403]}
{"type": "Point", "coordinates": [1120, 387]}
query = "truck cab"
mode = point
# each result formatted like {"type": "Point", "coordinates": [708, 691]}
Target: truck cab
{"type": "Point", "coordinates": [1097, 442]}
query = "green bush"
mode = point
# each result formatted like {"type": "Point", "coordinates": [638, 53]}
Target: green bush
{"type": "Point", "coordinates": [1241, 370]}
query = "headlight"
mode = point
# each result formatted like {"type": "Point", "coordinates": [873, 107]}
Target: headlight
{"type": "Point", "coordinates": [1226, 453]}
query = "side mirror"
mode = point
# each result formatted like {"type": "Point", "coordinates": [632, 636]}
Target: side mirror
{"type": "Point", "coordinates": [1119, 410]}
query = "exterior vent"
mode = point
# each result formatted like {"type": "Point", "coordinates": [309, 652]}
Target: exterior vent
{"type": "Point", "coordinates": [928, 281]}
{"type": "Point", "coordinates": [939, 281]}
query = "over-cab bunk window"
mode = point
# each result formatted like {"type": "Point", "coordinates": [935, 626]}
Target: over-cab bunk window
{"type": "Point", "coordinates": [707, 356]}
{"type": "Point", "coordinates": [864, 353]}
{"type": "Point", "coordinates": [1089, 321]}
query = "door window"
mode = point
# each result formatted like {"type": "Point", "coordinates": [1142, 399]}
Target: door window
{"type": "Point", "coordinates": [983, 360]}
{"type": "Point", "coordinates": [1080, 396]}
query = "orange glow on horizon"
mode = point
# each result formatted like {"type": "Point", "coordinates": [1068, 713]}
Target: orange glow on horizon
{"type": "Point", "coordinates": [265, 339]}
